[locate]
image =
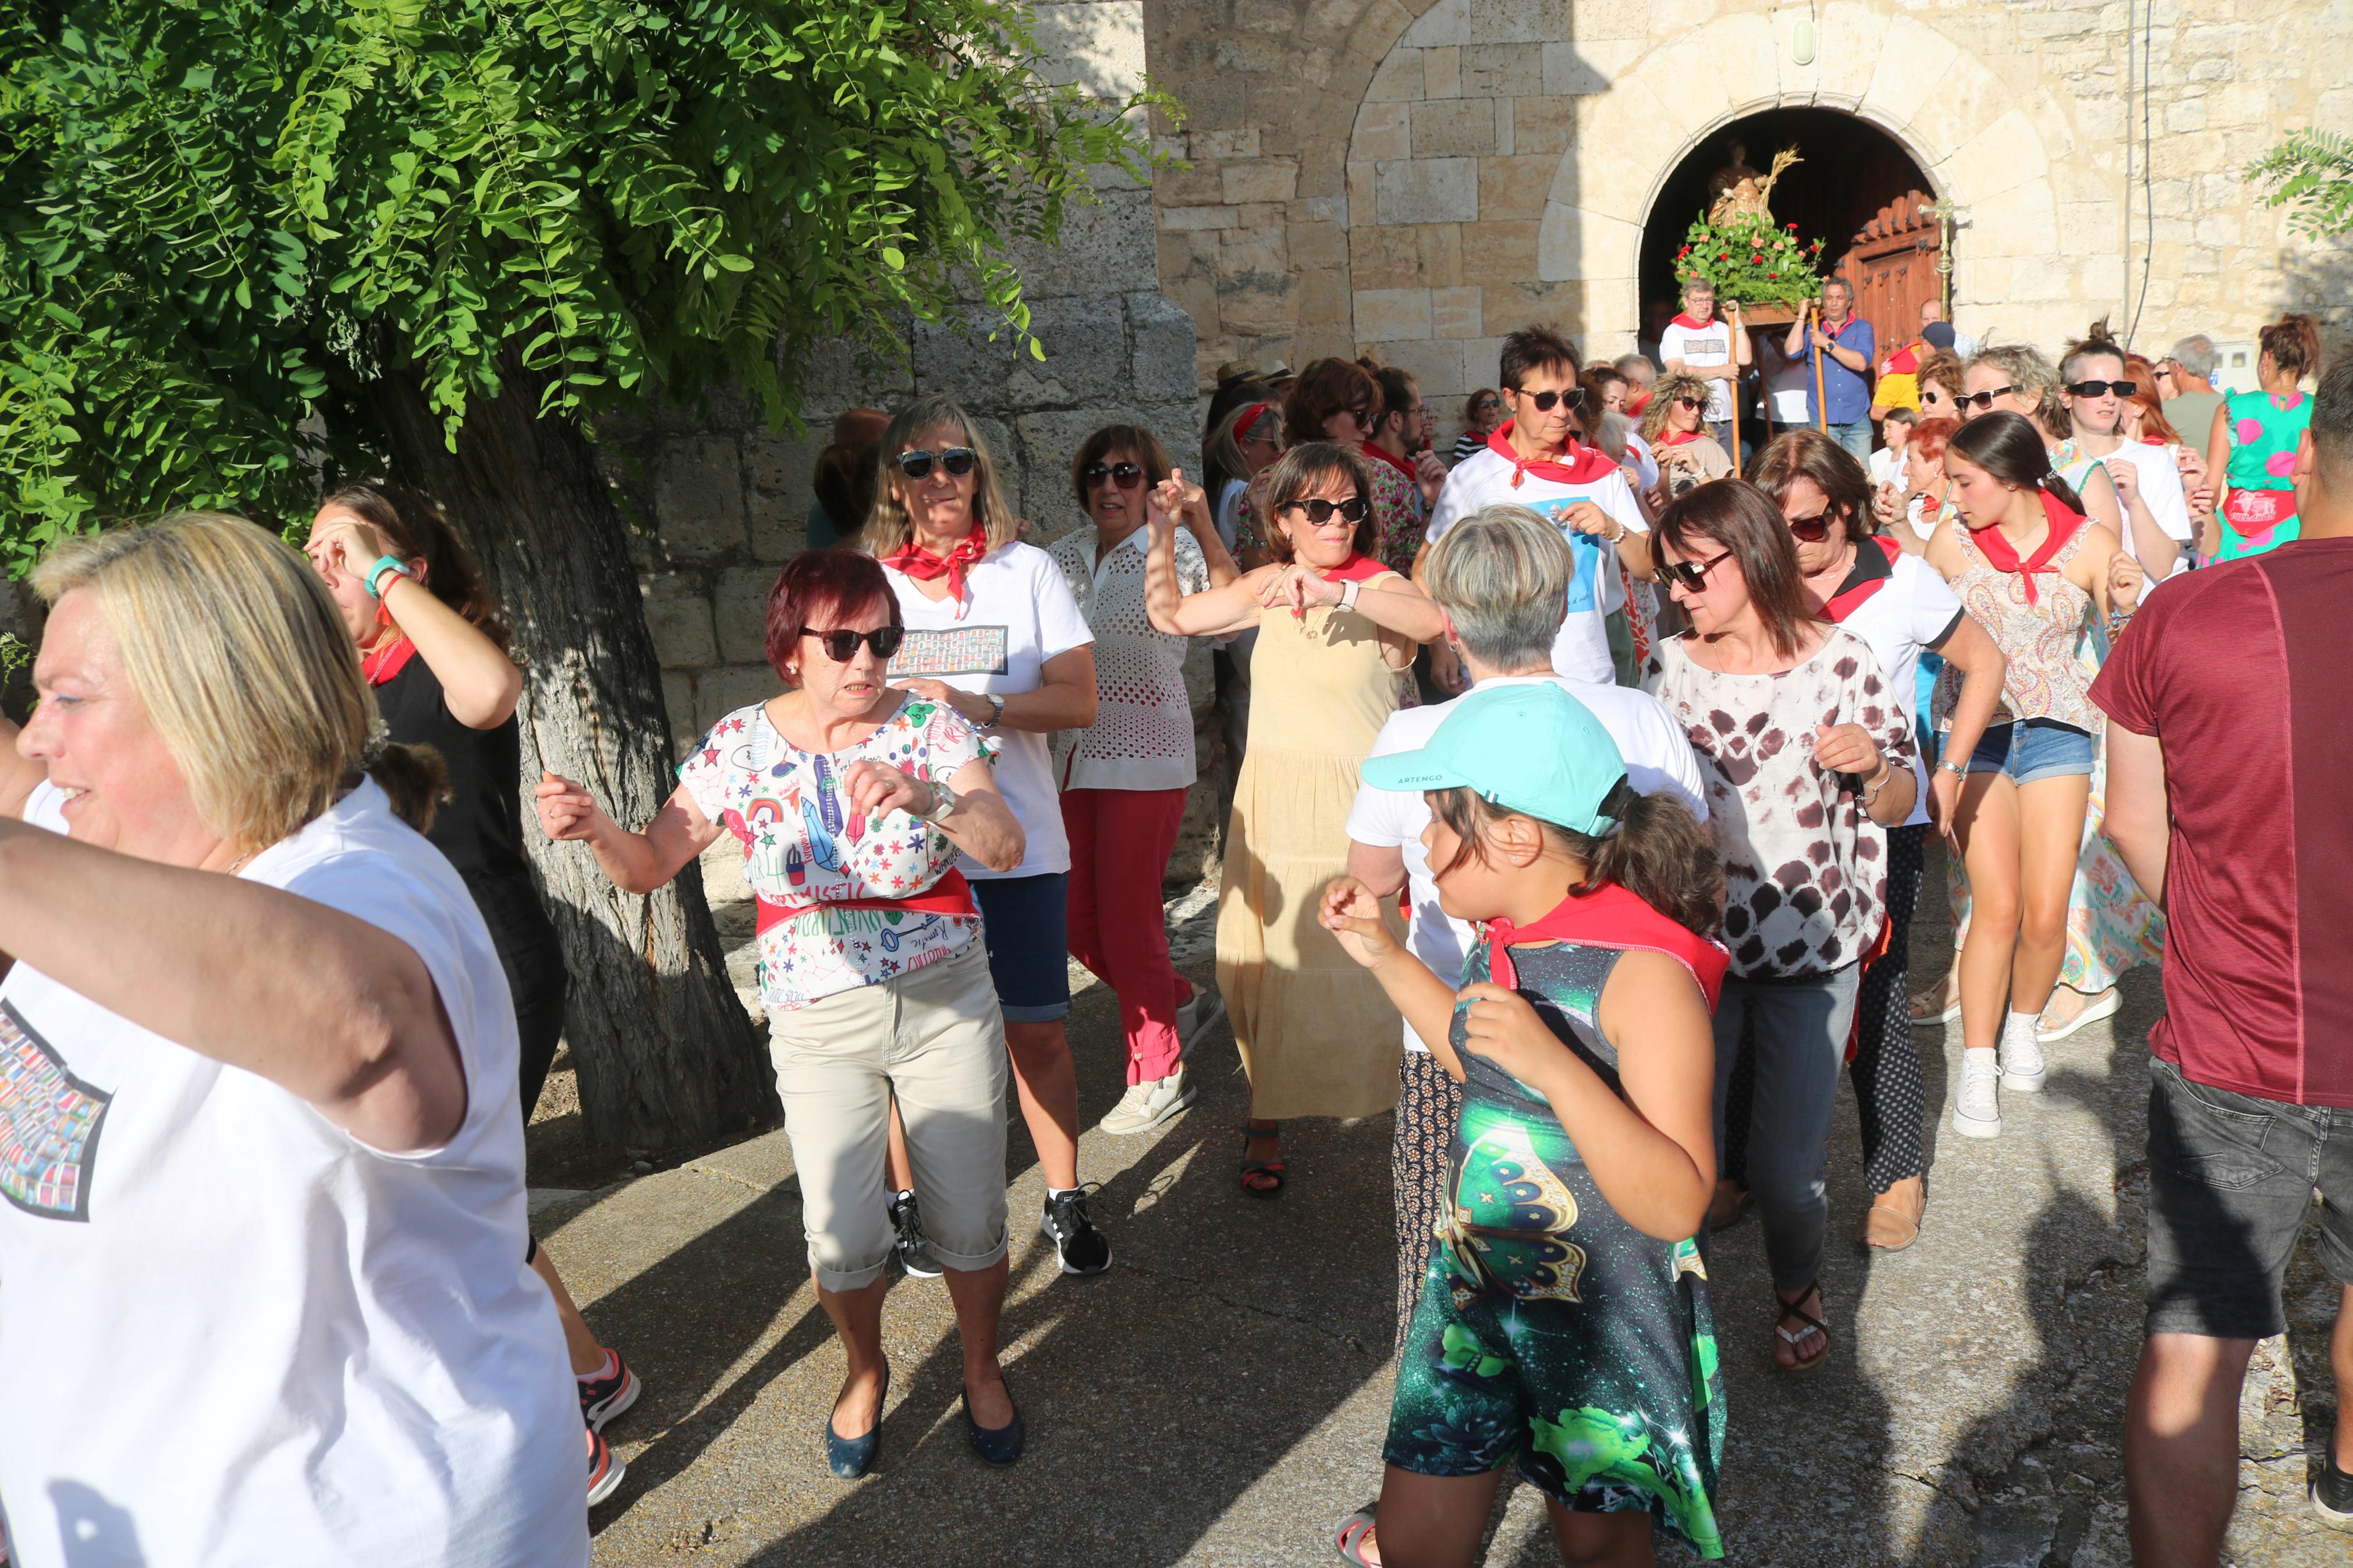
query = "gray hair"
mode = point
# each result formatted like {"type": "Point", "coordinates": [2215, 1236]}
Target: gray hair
{"type": "Point", "coordinates": [2196, 355]}
{"type": "Point", "coordinates": [1502, 575]}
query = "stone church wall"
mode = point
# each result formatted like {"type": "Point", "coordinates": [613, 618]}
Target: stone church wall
{"type": "Point", "coordinates": [1415, 178]}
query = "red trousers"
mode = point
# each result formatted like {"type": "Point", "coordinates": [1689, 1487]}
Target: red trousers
{"type": "Point", "coordinates": [1120, 843]}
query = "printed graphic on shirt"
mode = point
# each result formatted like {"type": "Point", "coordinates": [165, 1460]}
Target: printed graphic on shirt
{"type": "Point", "coordinates": [1584, 549]}
{"type": "Point", "coordinates": [49, 1121]}
{"type": "Point", "coordinates": [955, 650]}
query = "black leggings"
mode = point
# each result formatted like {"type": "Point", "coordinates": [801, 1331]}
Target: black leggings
{"type": "Point", "coordinates": [534, 961]}
{"type": "Point", "coordinates": [1889, 1094]}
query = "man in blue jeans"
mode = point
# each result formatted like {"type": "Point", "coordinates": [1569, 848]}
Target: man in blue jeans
{"type": "Point", "coordinates": [2230, 790]}
{"type": "Point", "coordinates": [1847, 351]}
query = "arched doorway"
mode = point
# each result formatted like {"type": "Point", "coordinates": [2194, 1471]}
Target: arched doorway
{"type": "Point", "coordinates": [1857, 191]}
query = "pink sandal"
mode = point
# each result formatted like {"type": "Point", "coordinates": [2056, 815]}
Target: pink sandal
{"type": "Point", "coordinates": [1355, 1532]}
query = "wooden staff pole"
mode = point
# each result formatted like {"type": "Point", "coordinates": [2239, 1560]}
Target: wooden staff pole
{"type": "Point", "coordinates": [1822, 397]}
{"type": "Point", "coordinates": [1734, 454]}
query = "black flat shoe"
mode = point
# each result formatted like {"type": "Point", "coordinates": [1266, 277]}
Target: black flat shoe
{"type": "Point", "coordinates": [997, 1445]}
{"type": "Point", "coordinates": [850, 1457]}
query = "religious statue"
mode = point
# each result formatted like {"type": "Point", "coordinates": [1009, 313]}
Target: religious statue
{"type": "Point", "coordinates": [1737, 190]}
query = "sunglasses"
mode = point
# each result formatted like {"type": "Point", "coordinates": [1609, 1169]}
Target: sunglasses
{"type": "Point", "coordinates": [1811, 530]}
{"type": "Point", "coordinates": [1690, 403]}
{"type": "Point", "coordinates": [1319, 513]}
{"type": "Point", "coordinates": [1546, 402]}
{"type": "Point", "coordinates": [840, 645]}
{"type": "Point", "coordinates": [1126, 476]}
{"type": "Point", "coordinates": [1485, 404]}
{"type": "Point", "coordinates": [2094, 388]}
{"type": "Point", "coordinates": [1984, 400]}
{"type": "Point", "coordinates": [958, 460]}
{"type": "Point", "coordinates": [1692, 574]}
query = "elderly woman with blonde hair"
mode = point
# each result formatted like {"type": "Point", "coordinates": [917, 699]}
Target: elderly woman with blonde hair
{"type": "Point", "coordinates": [255, 1016]}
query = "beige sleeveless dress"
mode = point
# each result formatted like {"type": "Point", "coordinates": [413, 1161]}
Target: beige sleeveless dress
{"type": "Point", "coordinates": [1317, 1035]}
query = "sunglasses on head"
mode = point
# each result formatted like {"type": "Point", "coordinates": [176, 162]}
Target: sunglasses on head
{"type": "Point", "coordinates": [1811, 530]}
{"type": "Point", "coordinates": [840, 644]}
{"type": "Point", "coordinates": [1983, 401]}
{"type": "Point", "coordinates": [1692, 574]}
{"type": "Point", "coordinates": [1319, 513]}
{"type": "Point", "coordinates": [1545, 401]}
{"type": "Point", "coordinates": [1126, 476]}
{"type": "Point", "coordinates": [958, 460]}
{"type": "Point", "coordinates": [2094, 388]}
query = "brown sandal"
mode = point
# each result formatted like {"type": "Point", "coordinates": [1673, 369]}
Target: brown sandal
{"type": "Point", "coordinates": [1810, 1324]}
{"type": "Point", "coordinates": [1887, 1227]}
{"type": "Point", "coordinates": [1269, 1172]}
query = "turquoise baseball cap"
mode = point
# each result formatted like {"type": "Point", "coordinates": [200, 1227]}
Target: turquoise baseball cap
{"type": "Point", "coordinates": [1532, 748]}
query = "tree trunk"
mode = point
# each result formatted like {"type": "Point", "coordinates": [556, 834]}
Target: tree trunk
{"type": "Point", "coordinates": [665, 1055]}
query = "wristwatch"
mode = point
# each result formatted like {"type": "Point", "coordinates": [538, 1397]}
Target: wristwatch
{"type": "Point", "coordinates": [995, 710]}
{"type": "Point", "coordinates": [944, 802]}
{"type": "Point", "coordinates": [1946, 766]}
{"type": "Point", "coordinates": [385, 563]}
{"type": "Point", "coordinates": [1348, 593]}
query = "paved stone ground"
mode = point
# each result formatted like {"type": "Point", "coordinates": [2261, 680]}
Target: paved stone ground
{"type": "Point", "coordinates": [1219, 1398]}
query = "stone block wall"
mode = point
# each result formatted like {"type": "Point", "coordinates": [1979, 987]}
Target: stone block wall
{"type": "Point", "coordinates": [1415, 178]}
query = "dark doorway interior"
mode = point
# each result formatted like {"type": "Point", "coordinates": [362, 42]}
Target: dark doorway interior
{"type": "Point", "coordinates": [1851, 169]}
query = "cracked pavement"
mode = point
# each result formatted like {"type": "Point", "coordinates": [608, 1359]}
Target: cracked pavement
{"type": "Point", "coordinates": [1220, 1395]}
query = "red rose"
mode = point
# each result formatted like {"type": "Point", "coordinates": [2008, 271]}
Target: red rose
{"type": "Point", "coordinates": [1758, 256]}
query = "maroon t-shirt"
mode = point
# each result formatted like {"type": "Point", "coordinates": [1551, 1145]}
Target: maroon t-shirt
{"type": "Point", "coordinates": [2241, 672]}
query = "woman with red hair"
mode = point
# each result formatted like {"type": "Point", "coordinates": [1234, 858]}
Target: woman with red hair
{"type": "Point", "coordinates": [852, 799]}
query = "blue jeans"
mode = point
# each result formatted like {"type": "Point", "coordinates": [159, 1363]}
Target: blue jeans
{"type": "Point", "coordinates": [1800, 1033]}
{"type": "Point", "coordinates": [1856, 436]}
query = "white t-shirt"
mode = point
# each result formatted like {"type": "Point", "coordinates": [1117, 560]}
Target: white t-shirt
{"type": "Point", "coordinates": [1658, 760]}
{"type": "Point", "coordinates": [1017, 613]}
{"type": "Point", "coordinates": [2160, 491]}
{"type": "Point", "coordinates": [1229, 510]}
{"type": "Point", "coordinates": [233, 1334]}
{"type": "Point", "coordinates": [1646, 465]}
{"type": "Point", "coordinates": [1701, 348]}
{"type": "Point", "coordinates": [1581, 651]}
{"type": "Point", "coordinates": [1788, 384]}
{"type": "Point", "coordinates": [1916, 609]}
{"type": "Point", "coordinates": [804, 843]}
{"type": "Point", "coordinates": [1886, 467]}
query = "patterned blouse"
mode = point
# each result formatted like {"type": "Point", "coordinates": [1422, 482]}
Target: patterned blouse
{"type": "Point", "coordinates": [1805, 867]}
{"type": "Point", "coordinates": [805, 844]}
{"type": "Point", "coordinates": [2044, 641]}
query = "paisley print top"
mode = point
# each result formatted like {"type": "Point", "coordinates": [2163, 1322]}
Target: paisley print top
{"type": "Point", "coordinates": [1805, 867]}
{"type": "Point", "coordinates": [2049, 677]}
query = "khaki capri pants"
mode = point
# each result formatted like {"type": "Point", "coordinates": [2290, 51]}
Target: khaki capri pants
{"type": "Point", "coordinates": [932, 1036]}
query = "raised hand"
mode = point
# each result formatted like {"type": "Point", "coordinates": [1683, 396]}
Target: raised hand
{"type": "Point", "coordinates": [2125, 581]}
{"type": "Point", "coordinates": [876, 788]}
{"type": "Point", "coordinates": [1351, 913]}
{"type": "Point", "coordinates": [2125, 477]}
{"type": "Point", "coordinates": [1502, 1027]}
{"type": "Point", "coordinates": [567, 812]}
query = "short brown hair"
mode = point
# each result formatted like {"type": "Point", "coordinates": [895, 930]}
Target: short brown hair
{"type": "Point", "coordinates": [1741, 518]}
{"type": "Point", "coordinates": [1808, 454]}
{"type": "Point", "coordinates": [1327, 388]}
{"type": "Point", "coordinates": [1533, 349]}
{"type": "Point", "coordinates": [1946, 369]}
{"type": "Point", "coordinates": [416, 530]}
{"type": "Point", "coordinates": [1301, 469]}
{"type": "Point", "coordinates": [1149, 454]}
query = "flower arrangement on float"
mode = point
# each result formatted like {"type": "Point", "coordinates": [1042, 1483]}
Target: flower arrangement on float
{"type": "Point", "coordinates": [1735, 245]}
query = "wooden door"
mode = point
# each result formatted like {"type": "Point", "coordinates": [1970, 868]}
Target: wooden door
{"type": "Point", "coordinates": [1892, 268]}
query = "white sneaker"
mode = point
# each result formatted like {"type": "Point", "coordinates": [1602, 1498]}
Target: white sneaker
{"type": "Point", "coordinates": [2022, 1060]}
{"type": "Point", "coordinates": [1145, 1106]}
{"type": "Point", "coordinates": [1197, 1016]}
{"type": "Point", "coordinates": [1976, 1104]}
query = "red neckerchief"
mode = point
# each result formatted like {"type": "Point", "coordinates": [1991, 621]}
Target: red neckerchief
{"type": "Point", "coordinates": [1676, 439]}
{"type": "Point", "coordinates": [1356, 568]}
{"type": "Point", "coordinates": [919, 562]}
{"type": "Point", "coordinates": [1612, 917]}
{"type": "Point", "coordinates": [1373, 450]}
{"type": "Point", "coordinates": [1636, 404]}
{"type": "Point", "coordinates": [388, 660]}
{"type": "Point", "coordinates": [2003, 556]}
{"type": "Point", "coordinates": [1689, 325]}
{"type": "Point", "coordinates": [1871, 574]}
{"type": "Point", "coordinates": [1576, 466]}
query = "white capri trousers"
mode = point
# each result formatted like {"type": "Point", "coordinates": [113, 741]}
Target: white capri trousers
{"type": "Point", "coordinates": [934, 1038]}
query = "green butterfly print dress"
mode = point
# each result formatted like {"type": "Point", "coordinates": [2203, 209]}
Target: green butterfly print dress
{"type": "Point", "coordinates": [1549, 1333]}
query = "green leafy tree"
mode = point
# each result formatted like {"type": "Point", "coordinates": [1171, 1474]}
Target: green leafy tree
{"type": "Point", "coordinates": [2311, 171]}
{"type": "Point", "coordinates": [246, 245]}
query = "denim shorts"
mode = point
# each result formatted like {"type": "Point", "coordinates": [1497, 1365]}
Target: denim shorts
{"type": "Point", "coordinates": [1024, 921]}
{"type": "Point", "coordinates": [2032, 749]}
{"type": "Point", "coordinates": [2230, 1178]}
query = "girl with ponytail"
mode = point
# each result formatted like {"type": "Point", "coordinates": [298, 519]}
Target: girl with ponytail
{"type": "Point", "coordinates": [1567, 1276]}
{"type": "Point", "coordinates": [2253, 440]}
{"type": "Point", "coordinates": [2031, 568]}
